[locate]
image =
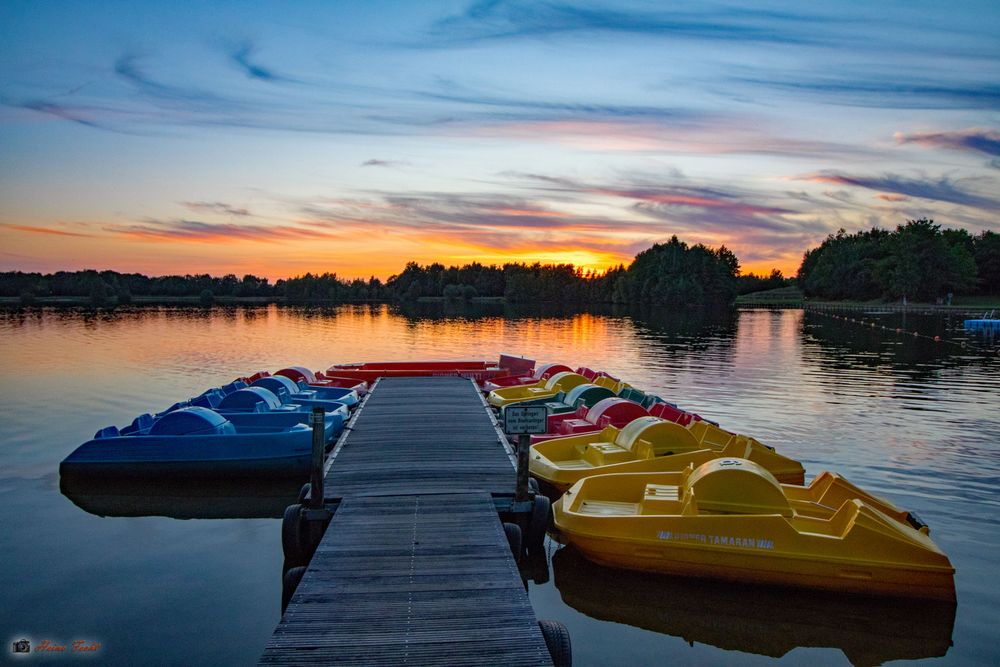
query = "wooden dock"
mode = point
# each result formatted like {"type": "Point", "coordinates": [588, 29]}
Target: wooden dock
{"type": "Point", "coordinates": [414, 567]}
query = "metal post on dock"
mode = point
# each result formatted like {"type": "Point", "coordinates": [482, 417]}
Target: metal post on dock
{"type": "Point", "coordinates": [523, 447]}
{"type": "Point", "coordinates": [318, 422]}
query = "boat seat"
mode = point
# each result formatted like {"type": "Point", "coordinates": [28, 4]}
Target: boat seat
{"type": "Point", "coordinates": [605, 453]}
{"type": "Point", "coordinates": [570, 425]}
{"type": "Point", "coordinates": [661, 499]}
{"type": "Point", "coordinates": [608, 508]}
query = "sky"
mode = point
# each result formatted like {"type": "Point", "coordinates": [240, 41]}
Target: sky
{"type": "Point", "coordinates": [280, 138]}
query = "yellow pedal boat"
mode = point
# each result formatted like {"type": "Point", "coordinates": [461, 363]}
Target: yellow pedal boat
{"type": "Point", "coordinates": [650, 444]}
{"type": "Point", "coordinates": [564, 381]}
{"type": "Point", "coordinates": [731, 519]}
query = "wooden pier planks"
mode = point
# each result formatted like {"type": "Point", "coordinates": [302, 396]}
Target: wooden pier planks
{"type": "Point", "coordinates": [414, 568]}
{"type": "Point", "coordinates": [411, 580]}
{"type": "Point", "coordinates": [421, 435]}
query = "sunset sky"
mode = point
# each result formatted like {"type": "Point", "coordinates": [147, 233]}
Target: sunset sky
{"type": "Point", "coordinates": [280, 138]}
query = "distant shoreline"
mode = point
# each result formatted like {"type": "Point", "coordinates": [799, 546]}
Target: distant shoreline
{"type": "Point", "coordinates": [196, 300]}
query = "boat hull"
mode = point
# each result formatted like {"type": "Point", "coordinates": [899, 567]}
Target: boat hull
{"type": "Point", "coordinates": [689, 561]}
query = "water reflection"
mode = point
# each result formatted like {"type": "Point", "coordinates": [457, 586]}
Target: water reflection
{"type": "Point", "coordinates": [180, 499]}
{"type": "Point", "coordinates": [755, 619]}
{"type": "Point", "coordinates": [918, 425]}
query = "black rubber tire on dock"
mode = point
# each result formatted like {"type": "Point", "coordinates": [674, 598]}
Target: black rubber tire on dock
{"type": "Point", "coordinates": [291, 536]}
{"type": "Point", "coordinates": [533, 485]}
{"type": "Point", "coordinates": [513, 533]}
{"type": "Point", "coordinates": [303, 492]}
{"type": "Point", "coordinates": [557, 640]}
{"type": "Point", "coordinates": [288, 585]}
{"type": "Point", "coordinates": [541, 510]}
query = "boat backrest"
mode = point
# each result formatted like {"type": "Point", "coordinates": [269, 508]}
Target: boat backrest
{"type": "Point", "coordinates": [710, 434]}
{"type": "Point", "coordinates": [632, 394]}
{"type": "Point", "coordinates": [107, 432]}
{"type": "Point", "coordinates": [140, 424]}
{"type": "Point", "coordinates": [209, 399]}
{"type": "Point", "coordinates": [672, 413]}
{"type": "Point", "coordinates": [651, 400]}
{"type": "Point", "coordinates": [233, 386]}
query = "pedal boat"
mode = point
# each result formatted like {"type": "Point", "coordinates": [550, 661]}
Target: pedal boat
{"type": "Point", "coordinates": [546, 390]}
{"type": "Point", "coordinates": [649, 444]}
{"type": "Point", "coordinates": [300, 374]}
{"type": "Point", "coordinates": [479, 371]}
{"type": "Point", "coordinates": [543, 372]}
{"type": "Point", "coordinates": [199, 442]}
{"type": "Point", "coordinates": [617, 412]}
{"type": "Point", "coordinates": [237, 398]}
{"type": "Point", "coordinates": [288, 391]}
{"type": "Point", "coordinates": [731, 519]}
{"type": "Point", "coordinates": [567, 402]}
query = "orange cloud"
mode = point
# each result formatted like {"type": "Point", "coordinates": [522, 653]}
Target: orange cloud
{"type": "Point", "coordinates": [45, 230]}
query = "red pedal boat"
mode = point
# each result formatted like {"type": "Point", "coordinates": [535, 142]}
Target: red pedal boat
{"type": "Point", "coordinates": [615, 412]}
{"type": "Point", "coordinates": [543, 372]}
{"type": "Point", "coordinates": [480, 371]}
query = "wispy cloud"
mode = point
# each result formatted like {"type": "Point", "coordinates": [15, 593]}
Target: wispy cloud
{"type": "Point", "coordinates": [976, 140]}
{"type": "Point", "coordinates": [197, 231]}
{"type": "Point", "coordinates": [75, 115]}
{"type": "Point", "coordinates": [216, 207]}
{"type": "Point", "coordinates": [494, 20]}
{"type": "Point", "coordinates": [45, 230]}
{"type": "Point", "coordinates": [374, 162]}
{"type": "Point", "coordinates": [890, 89]}
{"type": "Point", "coordinates": [127, 68]}
{"type": "Point", "coordinates": [242, 55]}
{"type": "Point", "coordinates": [941, 189]}
{"type": "Point", "coordinates": [702, 136]}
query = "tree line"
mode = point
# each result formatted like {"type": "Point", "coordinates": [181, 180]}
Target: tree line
{"type": "Point", "coordinates": [918, 261]}
{"type": "Point", "coordinates": [671, 273]}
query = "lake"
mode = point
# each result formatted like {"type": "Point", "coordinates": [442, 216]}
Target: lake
{"type": "Point", "coordinates": [168, 576]}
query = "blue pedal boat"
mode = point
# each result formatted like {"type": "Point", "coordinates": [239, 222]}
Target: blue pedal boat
{"type": "Point", "coordinates": [289, 391]}
{"type": "Point", "coordinates": [196, 442]}
{"type": "Point", "coordinates": [238, 397]}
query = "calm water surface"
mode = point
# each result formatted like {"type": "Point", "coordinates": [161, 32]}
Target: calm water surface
{"type": "Point", "coordinates": [192, 575]}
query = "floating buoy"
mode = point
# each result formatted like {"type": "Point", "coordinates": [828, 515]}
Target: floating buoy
{"type": "Point", "coordinates": [937, 339]}
{"type": "Point", "coordinates": [915, 334]}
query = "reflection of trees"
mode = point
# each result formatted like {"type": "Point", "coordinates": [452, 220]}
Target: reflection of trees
{"type": "Point", "coordinates": [684, 330]}
{"type": "Point", "coordinates": [757, 619]}
{"type": "Point", "coordinates": [475, 310]}
{"type": "Point", "coordinates": [841, 345]}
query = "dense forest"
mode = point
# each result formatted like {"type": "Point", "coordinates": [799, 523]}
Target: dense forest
{"type": "Point", "coordinates": [667, 273]}
{"type": "Point", "coordinates": [918, 261]}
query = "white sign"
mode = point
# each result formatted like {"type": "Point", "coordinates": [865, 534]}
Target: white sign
{"type": "Point", "coordinates": [526, 419]}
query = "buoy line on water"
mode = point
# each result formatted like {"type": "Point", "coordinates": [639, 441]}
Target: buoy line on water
{"type": "Point", "coordinates": [899, 330]}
